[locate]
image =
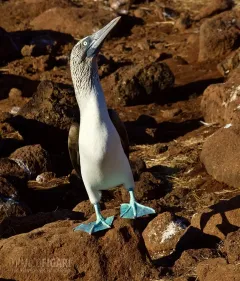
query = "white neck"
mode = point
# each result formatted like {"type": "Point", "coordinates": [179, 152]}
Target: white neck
{"type": "Point", "coordinates": [88, 90]}
{"type": "Point", "coordinates": [90, 98]}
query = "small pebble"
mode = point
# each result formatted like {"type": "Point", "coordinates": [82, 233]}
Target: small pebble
{"type": "Point", "coordinates": [139, 13]}
{"type": "Point", "coordinates": [227, 126]}
{"type": "Point", "coordinates": [45, 177]}
{"type": "Point", "coordinates": [15, 93]}
{"type": "Point", "coordinates": [15, 110]}
{"type": "Point", "coordinates": [27, 50]}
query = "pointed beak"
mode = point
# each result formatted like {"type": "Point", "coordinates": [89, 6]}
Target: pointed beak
{"type": "Point", "coordinates": [98, 38]}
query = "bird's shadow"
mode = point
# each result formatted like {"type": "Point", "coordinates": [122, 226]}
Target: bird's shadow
{"type": "Point", "coordinates": [34, 131]}
{"type": "Point", "coordinates": [221, 208]}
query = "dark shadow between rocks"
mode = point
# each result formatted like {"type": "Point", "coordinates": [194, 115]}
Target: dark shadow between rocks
{"type": "Point", "coordinates": [9, 81]}
{"type": "Point", "coordinates": [168, 131]}
{"type": "Point", "coordinates": [108, 66]}
{"type": "Point", "coordinates": [171, 209]}
{"type": "Point", "coordinates": [53, 195]}
{"type": "Point", "coordinates": [162, 132]}
{"type": "Point", "coordinates": [194, 238]}
{"type": "Point", "coordinates": [184, 92]}
{"type": "Point", "coordinates": [161, 171]}
{"type": "Point", "coordinates": [40, 38]}
{"type": "Point", "coordinates": [9, 145]}
{"type": "Point", "coordinates": [45, 200]}
{"type": "Point", "coordinates": [138, 135]}
{"type": "Point", "coordinates": [236, 43]}
{"type": "Point", "coordinates": [125, 25]}
{"type": "Point", "coordinates": [44, 41]}
{"type": "Point", "coordinates": [141, 223]}
{"type": "Point", "coordinates": [16, 225]}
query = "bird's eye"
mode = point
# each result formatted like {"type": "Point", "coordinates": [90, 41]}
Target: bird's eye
{"type": "Point", "coordinates": [85, 43]}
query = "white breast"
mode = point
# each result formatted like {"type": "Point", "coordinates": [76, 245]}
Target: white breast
{"type": "Point", "coordinates": [103, 162]}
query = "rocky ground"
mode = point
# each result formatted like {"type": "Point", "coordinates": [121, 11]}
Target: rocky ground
{"type": "Point", "coordinates": [171, 70]}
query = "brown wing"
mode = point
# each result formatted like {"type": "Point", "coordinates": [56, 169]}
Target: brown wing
{"type": "Point", "coordinates": [73, 147]}
{"type": "Point", "coordinates": [120, 129]}
{"type": "Point", "coordinates": [73, 136]}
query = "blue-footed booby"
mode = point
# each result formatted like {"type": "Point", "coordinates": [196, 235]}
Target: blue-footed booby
{"type": "Point", "coordinates": [103, 162]}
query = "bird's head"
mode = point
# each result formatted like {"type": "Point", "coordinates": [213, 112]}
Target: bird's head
{"type": "Point", "coordinates": [84, 53]}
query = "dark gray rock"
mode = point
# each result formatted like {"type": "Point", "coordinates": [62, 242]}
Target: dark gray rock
{"type": "Point", "coordinates": [147, 188]}
{"type": "Point", "coordinates": [232, 247]}
{"type": "Point", "coordinates": [10, 169]}
{"type": "Point", "coordinates": [52, 104]}
{"type": "Point", "coordinates": [12, 208]}
{"type": "Point", "coordinates": [140, 84]}
{"type": "Point", "coordinates": [46, 119]}
{"type": "Point", "coordinates": [221, 102]}
{"type": "Point", "coordinates": [33, 159]}
{"type": "Point", "coordinates": [7, 190]}
{"type": "Point", "coordinates": [138, 166]}
{"type": "Point", "coordinates": [220, 155]}
{"type": "Point", "coordinates": [219, 35]}
{"type": "Point", "coordinates": [217, 269]}
{"type": "Point", "coordinates": [162, 235]}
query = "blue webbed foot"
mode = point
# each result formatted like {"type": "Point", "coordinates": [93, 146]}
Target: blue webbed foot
{"type": "Point", "coordinates": [100, 224]}
{"type": "Point", "coordinates": [134, 209]}
{"type": "Point", "coordinates": [95, 226]}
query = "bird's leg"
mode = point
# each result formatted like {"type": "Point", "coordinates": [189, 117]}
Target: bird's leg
{"type": "Point", "coordinates": [100, 224]}
{"type": "Point", "coordinates": [100, 219]}
{"type": "Point", "coordinates": [134, 209]}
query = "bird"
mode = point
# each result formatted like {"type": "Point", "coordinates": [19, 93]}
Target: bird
{"type": "Point", "coordinates": [96, 143]}
{"type": "Point", "coordinates": [73, 139]}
